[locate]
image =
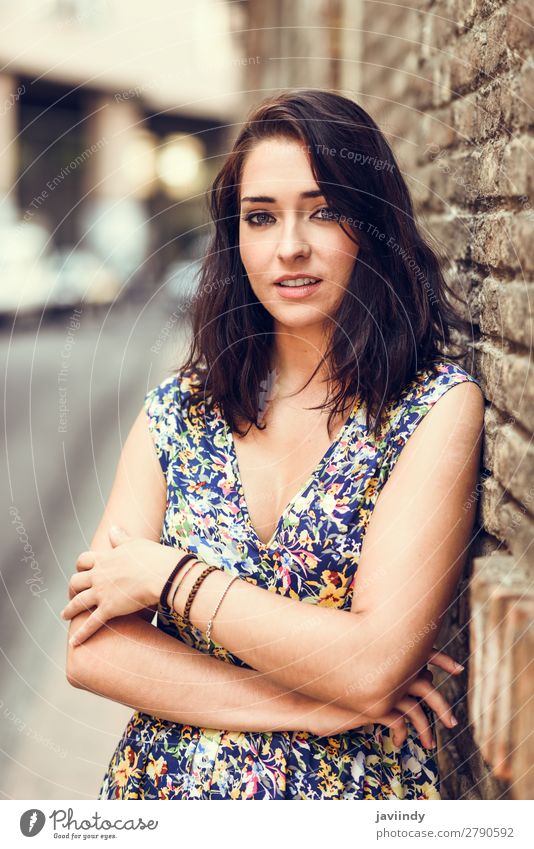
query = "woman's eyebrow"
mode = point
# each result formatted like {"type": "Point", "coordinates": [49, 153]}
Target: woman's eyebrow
{"type": "Point", "coordinates": [315, 193]}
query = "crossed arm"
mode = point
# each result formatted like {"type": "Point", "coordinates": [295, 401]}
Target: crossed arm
{"type": "Point", "coordinates": [410, 563]}
{"type": "Point", "coordinates": [133, 663]}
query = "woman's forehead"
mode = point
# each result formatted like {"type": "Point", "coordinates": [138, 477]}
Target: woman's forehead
{"type": "Point", "coordinates": [278, 160]}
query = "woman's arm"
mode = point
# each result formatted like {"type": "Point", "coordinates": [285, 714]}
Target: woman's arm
{"type": "Point", "coordinates": [131, 662]}
{"type": "Point", "coordinates": [186, 686]}
{"type": "Point", "coordinates": [415, 548]}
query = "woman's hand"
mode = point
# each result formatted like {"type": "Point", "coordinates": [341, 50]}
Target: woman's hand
{"type": "Point", "coordinates": [421, 688]}
{"type": "Point", "coordinates": [335, 720]}
{"type": "Point", "coordinates": [124, 580]}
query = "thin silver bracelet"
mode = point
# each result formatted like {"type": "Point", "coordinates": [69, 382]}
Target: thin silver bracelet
{"type": "Point", "coordinates": [210, 623]}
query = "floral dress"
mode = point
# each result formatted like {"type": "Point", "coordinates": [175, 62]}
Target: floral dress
{"type": "Point", "coordinates": [313, 557]}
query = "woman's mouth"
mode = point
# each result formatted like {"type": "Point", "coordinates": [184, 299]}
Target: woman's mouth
{"type": "Point", "coordinates": [298, 288]}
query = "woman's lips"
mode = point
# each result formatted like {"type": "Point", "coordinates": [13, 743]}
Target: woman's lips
{"type": "Point", "coordinates": [292, 293]}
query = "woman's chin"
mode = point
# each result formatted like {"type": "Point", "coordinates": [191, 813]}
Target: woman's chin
{"type": "Point", "coordinates": [299, 319]}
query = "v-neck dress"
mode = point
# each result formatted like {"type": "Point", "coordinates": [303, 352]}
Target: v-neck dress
{"type": "Point", "coordinates": [312, 557]}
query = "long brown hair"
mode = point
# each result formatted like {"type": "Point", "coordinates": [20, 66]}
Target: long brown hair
{"type": "Point", "coordinates": [393, 320]}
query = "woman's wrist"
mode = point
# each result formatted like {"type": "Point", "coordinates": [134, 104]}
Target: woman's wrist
{"type": "Point", "coordinates": [206, 597]}
{"type": "Point", "coordinates": [160, 572]}
{"type": "Point", "coordinates": [188, 565]}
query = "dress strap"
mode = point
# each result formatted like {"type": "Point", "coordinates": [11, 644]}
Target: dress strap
{"type": "Point", "coordinates": [162, 405]}
{"type": "Point", "coordinates": [417, 400]}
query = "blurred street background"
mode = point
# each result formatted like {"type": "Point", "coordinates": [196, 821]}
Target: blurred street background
{"type": "Point", "coordinates": [114, 116]}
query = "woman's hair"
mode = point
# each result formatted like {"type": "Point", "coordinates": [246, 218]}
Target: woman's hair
{"type": "Point", "coordinates": [393, 319]}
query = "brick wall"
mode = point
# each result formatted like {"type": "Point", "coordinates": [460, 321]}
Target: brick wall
{"type": "Point", "coordinates": [452, 85]}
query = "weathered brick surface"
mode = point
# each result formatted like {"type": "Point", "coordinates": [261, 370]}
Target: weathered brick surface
{"type": "Point", "coordinates": [471, 154]}
{"type": "Point", "coordinates": [502, 609]}
{"type": "Point", "coordinates": [522, 716]}
{"type": "Point", "coordinates": [507, 381]}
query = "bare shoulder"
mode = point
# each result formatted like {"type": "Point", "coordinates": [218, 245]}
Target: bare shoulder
{"type": "Point", "coordinates": [453, 426]}
{"type": "Point", "coordinates": [419, 532]}
{"type": "Point", "coordinates": [137, 500]}
{"type": "Point", "coordinates": [463, 401]}
{"type": "Point", "coordinates": [439, 463]}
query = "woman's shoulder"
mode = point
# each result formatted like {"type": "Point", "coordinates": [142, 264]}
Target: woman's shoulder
{"type": "Point", "coordinates": [173, 390]}
{"type": "Point", "coordinates": [433, 380]}
{"type": "Point", "coordinates": [167, 412]}
{"type": "Point", "coordinates": [421, 393]}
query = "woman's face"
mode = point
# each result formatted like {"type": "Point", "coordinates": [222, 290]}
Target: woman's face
{"type": "Point", "coordinates": [283, 232]}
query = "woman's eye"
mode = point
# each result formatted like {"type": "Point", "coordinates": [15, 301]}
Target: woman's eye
{"type": "Point", "coordinates": [265, 217]}
{"type": "Point", "coordinates": [330, 214]}
{"type": "Point", "coordinates": [252, 215]}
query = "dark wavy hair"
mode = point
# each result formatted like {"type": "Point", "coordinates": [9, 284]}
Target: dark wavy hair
{"type": "Point", "coordinates": [394, 319]}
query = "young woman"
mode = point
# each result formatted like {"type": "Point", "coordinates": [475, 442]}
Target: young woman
{"type": "Point", "coordinates": [300, 451]}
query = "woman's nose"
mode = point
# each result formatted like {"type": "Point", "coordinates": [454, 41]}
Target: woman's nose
{"type": "Point", "coordinates": [291, 245]}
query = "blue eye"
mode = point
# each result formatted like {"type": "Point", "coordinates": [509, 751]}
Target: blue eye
{"type": "Point", "coordinates": [252, 215]}
{"type": "Point", "coordinates": [331, 215]}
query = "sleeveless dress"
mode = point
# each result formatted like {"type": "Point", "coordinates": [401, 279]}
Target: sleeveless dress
{"type": "Point", "coordinates": [312, 556]}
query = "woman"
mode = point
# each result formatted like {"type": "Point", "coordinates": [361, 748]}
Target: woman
{"type": "Point", "coordinates": [318, 293]}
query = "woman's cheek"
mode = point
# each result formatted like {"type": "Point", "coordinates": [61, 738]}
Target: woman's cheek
{"type": "Point", "coordinates": [257, 264]}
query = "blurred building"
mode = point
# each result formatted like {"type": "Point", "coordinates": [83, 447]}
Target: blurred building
{"type": "Point", "coordinates": [114, 114]}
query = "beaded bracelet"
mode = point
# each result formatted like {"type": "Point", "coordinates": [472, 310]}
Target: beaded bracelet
{"type": "Point", "coordinates": [194, 590]}
{"type": "Point", "coordinates": [180, 582]}
{"type": "Point", "coordinates": [165, 591]}
{"type": "Point", "coordinates": [210, 623]}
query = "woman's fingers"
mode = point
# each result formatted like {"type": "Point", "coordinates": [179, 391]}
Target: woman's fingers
{"type": "Point", "coordinates": [446, 662]}
{"type": "Point", "coordinates": [82, 601]}
{"type": "Point", "coordinates": [86, 560]}
{"type": "Point", "coordinates": [399, 728]}
{"type": "Point", "coordinates": [79, 581]}
{"type": "Point", "coordinates": [396, 721]}
{"type": "Point", "coordinates": [89, 627]}
{"type": "Point", "coordinates": [424, 690]}
{"type": "Point", "coordinates": [419, 720]}
{"type": "Point", "coordinates": [426, 674]}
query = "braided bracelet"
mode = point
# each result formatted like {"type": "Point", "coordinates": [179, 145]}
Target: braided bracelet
{"type": "Point", "coordinates": [165, 591]}
{"type": "Point", "coordinates": [210, 623]}
{"type": "Point", "coordinates": [194, 590]}
{"type": "Point", "coordinates": [180, 582]}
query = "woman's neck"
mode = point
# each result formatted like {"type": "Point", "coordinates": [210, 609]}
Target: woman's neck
{"type": "Point", "coordinates": [293, 361]}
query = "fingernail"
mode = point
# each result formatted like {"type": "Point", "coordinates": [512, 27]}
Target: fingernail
{"type": "Point", "coordinates": [460, 667]}
{"type": "Point", "coordinates": [454, 721]}
{"type": "Point", "coordinates": [73, 641]}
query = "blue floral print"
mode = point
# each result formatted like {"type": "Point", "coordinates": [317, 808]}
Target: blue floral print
{"type": "Point", "coordinates": [312, 557]}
